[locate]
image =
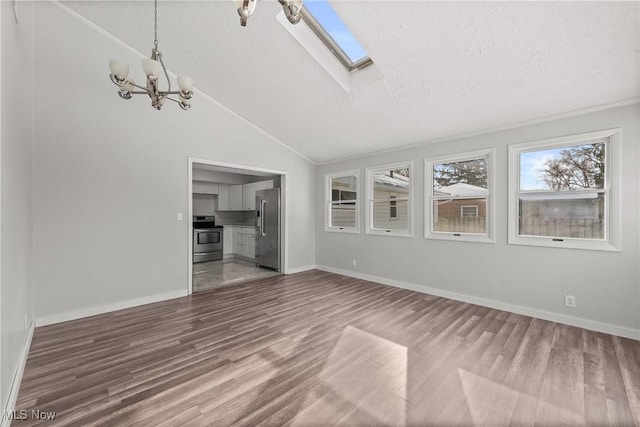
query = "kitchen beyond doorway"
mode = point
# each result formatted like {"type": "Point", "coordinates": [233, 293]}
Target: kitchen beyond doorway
{"type": "Point", "coordinates": [236, 198]}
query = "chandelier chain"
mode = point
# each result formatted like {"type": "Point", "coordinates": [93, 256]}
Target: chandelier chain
{"type": "Point", "coordinates": [155, 25]}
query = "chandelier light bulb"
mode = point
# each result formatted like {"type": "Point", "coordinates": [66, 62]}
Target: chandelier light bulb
{"type": "Point", "coordinates": [185, 84]}
{"type": "Point", "coordinates": [119, 69]}
{"type": "Point", "coordinates": [151, 67]}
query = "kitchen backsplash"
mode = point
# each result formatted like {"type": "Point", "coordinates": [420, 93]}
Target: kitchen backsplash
{"type": "Point", "coordinates": [235, 217]}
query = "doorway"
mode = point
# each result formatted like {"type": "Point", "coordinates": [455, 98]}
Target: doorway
{"type": "Point", "coordinates": [223, 207]}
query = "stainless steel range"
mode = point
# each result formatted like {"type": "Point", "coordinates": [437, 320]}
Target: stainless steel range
{"type": "Point", "coordinates": [207, 239]}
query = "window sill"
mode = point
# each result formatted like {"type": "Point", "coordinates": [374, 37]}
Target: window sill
{"type": "Point", "coordinates": [566, 243]}
{"type": "Point", "coordinates": [460, 237]}
{"type": "Point", "coordinates": [345, 230]}
{"type": "Point", "coordinates": [391, 233]}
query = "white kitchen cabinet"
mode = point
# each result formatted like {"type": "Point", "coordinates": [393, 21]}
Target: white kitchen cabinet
{"type": "Point", "coordinates": [249, 196]}
{"type": "Point", "coordinates": [227, 240]}
{"type": "Point", "coordinates": [235, 197]}
{"type": "Point", "coordinates": [203, 187]}
{"type": "Point", "coordinates": [238, 244]}
{"type": "Point", "coordinates": [223, 197]}
{"type": "Point", "coordinates": [244, 242]}
{"type": "Point", "coordinates": [251, 245]}
{"type": "Point", "coordinates": [249, 193]}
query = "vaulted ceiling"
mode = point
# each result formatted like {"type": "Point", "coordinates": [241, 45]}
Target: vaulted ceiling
{"type": "Point", "coordinates": [442, 69]}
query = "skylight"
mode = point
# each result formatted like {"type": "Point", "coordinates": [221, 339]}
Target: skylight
{"type": "Point", "coordinates": [327, 25]}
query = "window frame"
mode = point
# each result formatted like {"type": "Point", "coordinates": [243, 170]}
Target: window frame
{"type": "Point", "coordinates": [369, 200]}
{"type": "Point", "coordinates": [611, 191]}
{"type": "Point", "coordinates": [333, 47]}
{"type": "Point", "coordinates": [429, 163]}
{"type": "Point", "coordinates": [328, 202]}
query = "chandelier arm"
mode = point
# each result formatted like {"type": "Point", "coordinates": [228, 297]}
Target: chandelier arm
{"type": "Point", "coordinates": [139, 87]}
{"type": "Point", "coordinates": [165, 72]}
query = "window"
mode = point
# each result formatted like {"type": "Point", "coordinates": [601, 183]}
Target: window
{"type": "Point", "coordinates": [327, 25]}
{"type": "Point", "coordinates": [562, 192]}
{"type": "Point", "coordinates": [469, 211]}
{"type": "Point", "coordinates": [342, 202]}
{"type": "Point", "coordinates": [389, 200]}
{"type": "Point", "coordinates": [458, 200]}
{"type": "Point", "coordinates": [393, 208]}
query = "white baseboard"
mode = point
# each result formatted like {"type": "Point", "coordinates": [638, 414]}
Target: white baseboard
{"type": "Point", "coordinates": [91, 311]}
{"type": "Point", "coordinates": [499, 305]}
{"type": "Point", "coordinates": [17, 378]}
{"type": "Point", "coordinates": [301, 269]}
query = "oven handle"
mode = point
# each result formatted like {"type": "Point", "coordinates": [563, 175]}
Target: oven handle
{"type": "Point", "coordinates": [262, 203]}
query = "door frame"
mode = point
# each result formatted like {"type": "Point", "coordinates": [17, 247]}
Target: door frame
{"type": "Point", "coordinates": [284, 202]}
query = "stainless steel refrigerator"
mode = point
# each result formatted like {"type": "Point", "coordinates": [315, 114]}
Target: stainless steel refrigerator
{"type": "Point", "coordinates": [268, 228]}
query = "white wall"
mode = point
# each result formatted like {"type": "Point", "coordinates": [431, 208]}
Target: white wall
{"type": "Point", "coordinates": [111, 175]}
{"type": "Point", "coordinates": [16, 282]}
{"type": "Point", "coordinates": [526, 279]}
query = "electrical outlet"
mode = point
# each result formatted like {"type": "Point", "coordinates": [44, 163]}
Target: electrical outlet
{"type": "Point", "coordinates": [26, 321]}
{"type": "Point", "coordinates": [570, 301]}
{"type": "Point", "coordinates": [355, 262]}
{"type": "Point", "coordinates": [179, 216]}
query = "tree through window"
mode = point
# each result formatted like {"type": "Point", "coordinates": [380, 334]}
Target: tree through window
{"type": "Point", "coordinates": [562, 191]}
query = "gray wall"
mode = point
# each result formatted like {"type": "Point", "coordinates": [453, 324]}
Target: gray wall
{"type": "Point", "coordinates": [534, 279]}
{"type": "Point", "coordinates": [16, 283]}
{"type": "Point", "coordinates": [112, 174]}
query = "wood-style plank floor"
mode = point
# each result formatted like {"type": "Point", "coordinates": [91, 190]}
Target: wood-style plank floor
{"type": "Point", "coordinates": [321, 349]}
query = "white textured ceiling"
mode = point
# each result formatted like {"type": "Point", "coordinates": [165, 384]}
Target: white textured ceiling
{"type": "Point", "coordinates": [447, 68]}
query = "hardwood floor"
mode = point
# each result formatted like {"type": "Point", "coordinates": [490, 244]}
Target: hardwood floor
{"type": "Point", "coordinates": [321, 349]}
{"type": "Point", "coordinates": [213, 274]}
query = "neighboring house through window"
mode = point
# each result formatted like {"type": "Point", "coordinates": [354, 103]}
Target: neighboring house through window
{"type": "Point", "coordinates": [459, 197]}
{"type": "Point", "coordinates": [564, 191]}
{"type": "Point", "coordinates": [469, 211]}
{"type": "Point", "coordinates": [393, 208]}
{"type": "Point", "coordinates": [341, 197]}
{"type": "Point", "coordinates": [389, 200]}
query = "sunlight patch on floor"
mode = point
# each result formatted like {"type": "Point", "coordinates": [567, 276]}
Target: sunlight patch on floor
{"type": "Point", "coordinates": [484, 396]}
{"type": "Point", "coordinates": [358, 380]}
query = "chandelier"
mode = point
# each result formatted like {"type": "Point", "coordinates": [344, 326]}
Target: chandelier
{"type": "Point", "coordinates": [152, 68]}
{"type": "Point", "coordinates": [291, 10]}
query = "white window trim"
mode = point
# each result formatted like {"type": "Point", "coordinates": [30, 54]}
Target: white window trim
{"type": "Point", "coordinates": [613, 174]}
{"type": "Point", "coordinates": [310, 42]}
{"type": "Point", "coordinates": [489, 154]}
{"type": "Point", "coordinates": [327, 202]}
{"type": "Point", "coordinates": [369, 200]}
